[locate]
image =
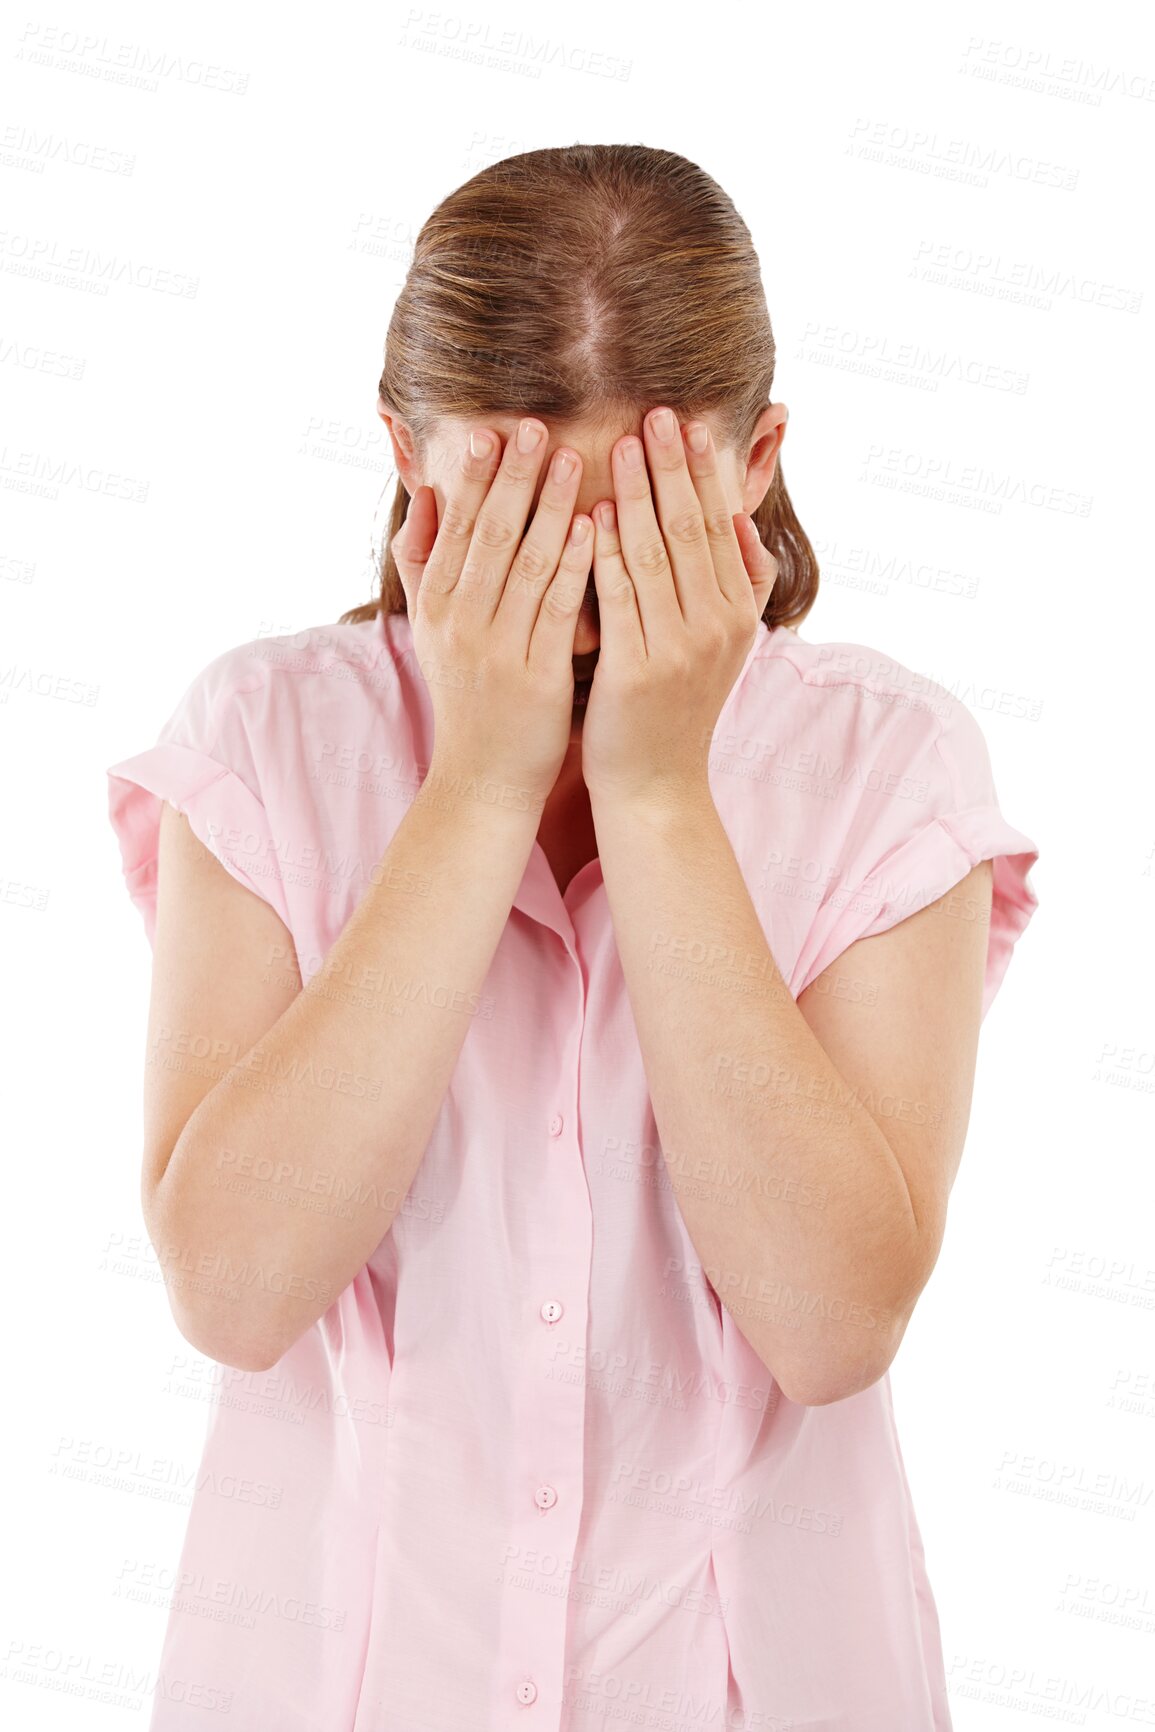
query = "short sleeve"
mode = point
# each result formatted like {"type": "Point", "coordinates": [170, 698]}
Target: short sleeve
{"type": "Point", "coordinates": [205, 763]}
{"type": "Point", "coordinates": [928, 814]}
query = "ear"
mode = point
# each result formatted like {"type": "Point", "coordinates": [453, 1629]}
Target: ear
{"type": "Point", "coordinates": [762, 455]}
{"type": "Point", "coordinates": [402, 441]}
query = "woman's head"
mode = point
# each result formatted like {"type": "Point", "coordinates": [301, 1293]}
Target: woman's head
{"type": "Point", "coordinates": [584, 286]}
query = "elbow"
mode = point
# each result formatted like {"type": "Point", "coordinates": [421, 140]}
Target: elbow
{"type": "Point", "coordinates": [245, 1359]}
{"type": "Point", "coordinates": [852, 1367]}
{"type": "Point", "coordinates": [220, 1330]}
{"type": "Point", "coordinates": [232, 1348]}
{"type": "Point", "coordinates": [817, 1384]}
{"type": "Point", "coordinates": [820, 1391]}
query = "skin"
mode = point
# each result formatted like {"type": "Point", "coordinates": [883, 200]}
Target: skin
{"type": "Point", "coordinates": [828, 1176]}
{"type": "Point", "coordinates": [868, 1097]}
{"type": "Point", "coordinates": [566, 832]}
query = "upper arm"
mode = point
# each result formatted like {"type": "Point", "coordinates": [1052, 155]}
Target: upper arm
{"type": "Point", "coordinates": [224, 971]}
{"type": "Point", "coordinates": [898, 1014]}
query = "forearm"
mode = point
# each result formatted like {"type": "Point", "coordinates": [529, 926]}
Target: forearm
{"type": "Point", "coordinates": [796, 1205]}
{"type": "Point", "coordinates": [281, 1184]}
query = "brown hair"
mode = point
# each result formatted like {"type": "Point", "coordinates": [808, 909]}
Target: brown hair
{"type": "Point", "coordinates": [588, 283]}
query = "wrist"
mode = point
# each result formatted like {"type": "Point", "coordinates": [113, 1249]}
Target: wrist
{"type": "Point", "coordinates": [454, 785]}
{"type": "Point", "coordinates": [658, 805]}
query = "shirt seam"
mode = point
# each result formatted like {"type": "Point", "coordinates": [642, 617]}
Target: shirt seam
{"type": "Point", "coordinates": [216, 717]}
{"type": "Point", "coordinates": [882, 687]}
{"type": "Point", "coordinates": [877, 686]}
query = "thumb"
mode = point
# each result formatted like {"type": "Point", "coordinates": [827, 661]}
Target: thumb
{"type": "Point", "coordinates": [413, 542]}
{"type": "Point", "coordinates": [760, 563]}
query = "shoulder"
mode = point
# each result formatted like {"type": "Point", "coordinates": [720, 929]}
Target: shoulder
{"type": "Point", "coordinates": [315, 651]}
{"type": "Point", "coordinates": [867, 676]}
{"type": "Point", "coordinates": [327, 665]}
{"type": "Point", "coordinates": [274, 701]}
{"type": "Point", "coordinates": [857, 692]}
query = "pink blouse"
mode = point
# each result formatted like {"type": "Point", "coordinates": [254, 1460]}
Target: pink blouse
{"type": "Point", "coordinates": [526, 1471]}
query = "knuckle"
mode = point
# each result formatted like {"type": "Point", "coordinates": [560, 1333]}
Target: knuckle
{"type": "Point", "coordinates": [651, 555]}
{"type": "Point", "coordinates": [456, 522]}
{"type": "Point", "coordinates": [532, 563]}
{"type": "Point", "coordinates": [717, 522]}
{"type": "Point", "coordinates": [517, 471]}
{"type": "Point", "coordinates": [560, 599]}
{"type": "Point", "coordinates": [477, 468]}
{"type": "Point", "coordinates": [491, 530]}
{"type": "Point", "coordinates": [687, 528]}
{"type": "Point", "coordinates": [634, 484]}
{"type": "Point", "coordinates": [557, 496]}
{"type": "Point", "coordinates": [554, 508]}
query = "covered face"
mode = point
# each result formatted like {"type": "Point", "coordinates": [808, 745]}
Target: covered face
{"type": "Point", "coordinates": [593, 442]}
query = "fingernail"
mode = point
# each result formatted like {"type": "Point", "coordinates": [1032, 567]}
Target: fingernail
{"type": "Point", "coordinates": [632, 454]}
{"type": "Point", "coordinates": [480, 444]}
{"type": "Point", "coordinates": [529, 435]}
{"type": "Point", "coordinates": [697, 436]}
{"type": "Point", "coordinates": [663, 425]}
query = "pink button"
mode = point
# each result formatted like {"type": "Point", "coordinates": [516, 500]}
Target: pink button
{"type": "Point", "coordinates": [552, 1310]}
{"type": "Point", "coordinates": [555, 1125]}
{"type": "Point", "coordinates": [527, 1691]}
{"type": "Point", "coordinates": [545, 1497]}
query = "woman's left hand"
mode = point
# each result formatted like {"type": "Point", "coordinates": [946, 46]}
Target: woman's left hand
{"type": "Point", "coordinates": [680, 592]}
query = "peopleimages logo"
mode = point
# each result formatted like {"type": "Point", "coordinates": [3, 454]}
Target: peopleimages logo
{"type": "Point", "coordinates": [1025, 280]}
{"type": "Point", "coordinates": [114, 62]}
{"type": "Point", "coordinates": [1067, 76]}
{"type": "Point", "coordinates": [915, 148]}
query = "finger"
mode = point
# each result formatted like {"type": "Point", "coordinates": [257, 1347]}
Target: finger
{"type": "Point", "coordinates": [638, 537]}
{"type": "Point", "coordinates": [621, 626]}
{"type": "Point", "coordinates": [413, 543]}
{"type": "Point", "coordinates": [464, 497]}
{"type": "Point", "coordinates": [730, 573]}
{"type": "Point", "coordinates": [501, 520]}
{"type": "Point", "coordinates": [535, 563]}
{"type": "Point", "coordinates": [554, 630]}
{"type": "Point", "coordinates": [679, 515]}
{"type": "Point", "coordinates": [760, 564]}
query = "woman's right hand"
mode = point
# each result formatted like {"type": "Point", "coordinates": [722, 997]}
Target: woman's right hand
{"type": "Point", "coordinates": [494, 615]}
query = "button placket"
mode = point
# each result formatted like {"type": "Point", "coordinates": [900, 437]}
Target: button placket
{"type": "Point", "coordinates": [548, 1418]}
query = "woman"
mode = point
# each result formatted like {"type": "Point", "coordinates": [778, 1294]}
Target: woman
{"type": "Point", "coordinates": [558, 1075]}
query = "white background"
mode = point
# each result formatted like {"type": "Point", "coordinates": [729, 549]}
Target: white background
{"type": "Point", "coordinates": [289, 182]}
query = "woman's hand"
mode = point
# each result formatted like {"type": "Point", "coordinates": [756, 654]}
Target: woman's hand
{"type": "Point", "coordinates": [680, 593]}
{"type": "Point", "coordinates": [494, 616]}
